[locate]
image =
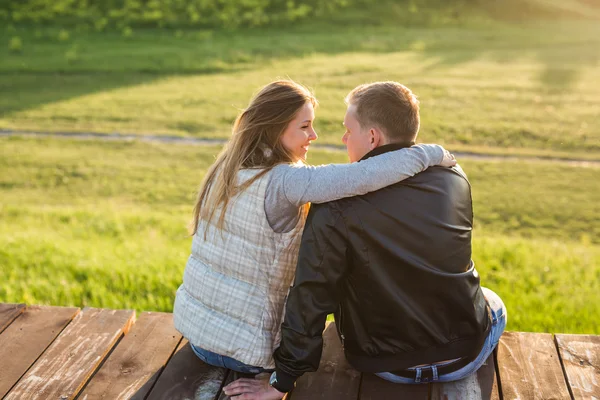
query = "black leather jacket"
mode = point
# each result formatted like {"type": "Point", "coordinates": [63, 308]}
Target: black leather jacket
{"type": "Point", "coordinates": [395, 267]}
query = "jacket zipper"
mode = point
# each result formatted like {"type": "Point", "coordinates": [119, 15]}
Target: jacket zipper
{"type": "Point", "coordinates": [340, 332]}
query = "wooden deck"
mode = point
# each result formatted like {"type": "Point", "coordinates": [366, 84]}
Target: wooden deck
{"type": "Point", "coordinates": [67, 353]}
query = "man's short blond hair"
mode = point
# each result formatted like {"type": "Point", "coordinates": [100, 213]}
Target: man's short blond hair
{"type": "Point", "coordinates": [389, 106]}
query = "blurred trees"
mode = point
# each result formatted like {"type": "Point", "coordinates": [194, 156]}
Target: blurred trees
{"type": "Point", "coordinates": [121, 14]}
{"type": "Point", "coordinates": [124, 15]}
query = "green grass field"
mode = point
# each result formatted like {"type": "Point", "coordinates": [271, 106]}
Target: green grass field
{"type": "Point", "coordinates": [104, 224]}
{"type": "Point", "coordinates": [482, 86]}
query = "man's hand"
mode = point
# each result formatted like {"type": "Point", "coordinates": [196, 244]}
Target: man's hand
{"type": "Point", "coordinates": [448, 160]}
{"type": "Point", "coordinates": [252, 389]}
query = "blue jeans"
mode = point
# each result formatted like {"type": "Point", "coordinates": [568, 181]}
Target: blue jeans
{"type": "Point", "coordinates": [498, 311]}
{"type": "Point", "coordinates": [218, 360]}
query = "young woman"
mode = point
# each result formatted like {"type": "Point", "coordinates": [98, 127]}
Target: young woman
{"type": "Point", "coordinates": [248, 223]}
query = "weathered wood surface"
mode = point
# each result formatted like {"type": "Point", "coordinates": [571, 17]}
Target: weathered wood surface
{"type": "Point", "coordinates": [133, 367]}
{"type": "Point", "coordinates": [187, 377]}
{"type": "Point", "coordinates": [482, 385]}
{"type": "Point", "coordinates": [8, 313]}
{"type": "Point", "coordinates": [530, 368]}
{"type": "Point", "coordinates": [581, 360]}
{"type": "Point", "coordinates": [229, 377]}
{"type": "Point", "coordinates": [68, 363]}
{"type": "Point", "coordinates": [335, 378]}
{"type": "Point", "coordinates": [26, 338]}
{"type": "Point", "coordinates": [528, 365]}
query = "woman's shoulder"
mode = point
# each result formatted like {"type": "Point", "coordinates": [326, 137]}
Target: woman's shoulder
{"type": "Point", "coordinates": [249, 172]}
{"type": "Point", "coordinates": [295, 171]}
{"type": "Point", "coordinates": [277, 174]}
{"type": "Point", "coordinates": [290, 167]}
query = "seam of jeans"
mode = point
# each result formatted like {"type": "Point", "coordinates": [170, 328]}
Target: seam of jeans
{"type": "Point", "coordinates": [221, 361]}
{"type": "Point", "coordinates": [199, 355]}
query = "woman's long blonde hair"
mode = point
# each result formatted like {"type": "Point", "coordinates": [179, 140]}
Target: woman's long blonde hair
{"type": "Point", "coordinates": [255, 143]}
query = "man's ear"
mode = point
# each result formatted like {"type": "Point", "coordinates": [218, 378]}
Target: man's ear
{"type": "Point", "coordinates": [377, 138]}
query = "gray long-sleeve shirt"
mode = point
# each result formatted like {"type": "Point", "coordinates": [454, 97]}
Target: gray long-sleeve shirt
{"type": "Point", "coordinates": [293, 185]}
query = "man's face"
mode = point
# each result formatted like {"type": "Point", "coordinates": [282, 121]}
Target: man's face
{"type": "Point", "coordinates": [358, 142]}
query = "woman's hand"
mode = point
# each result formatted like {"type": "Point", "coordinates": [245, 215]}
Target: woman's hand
{"type": "Point", "coordinates": [448, 160]}
{"type": "Point", "coordinates": [252, 389]}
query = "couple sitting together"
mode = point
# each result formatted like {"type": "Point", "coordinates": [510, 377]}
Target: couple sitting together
{"type": "Point", "coordinates": [385, 247]}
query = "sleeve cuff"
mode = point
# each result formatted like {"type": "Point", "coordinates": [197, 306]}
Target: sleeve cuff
{"type": "Point", "coordinates": [434, 154]}
{"type": "Point", "coordinates": [438, 156]}
{"type": "Point", "coordinates": [285, 382]}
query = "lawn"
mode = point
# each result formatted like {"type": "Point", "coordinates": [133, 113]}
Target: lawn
{"type": "Point", "coordinates": [104, 224]}
{"type": "Point", "coordinates": [483, 87]}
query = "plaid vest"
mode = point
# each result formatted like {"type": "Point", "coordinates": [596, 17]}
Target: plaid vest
{"type": "Point", "coordinates": [236, 281]}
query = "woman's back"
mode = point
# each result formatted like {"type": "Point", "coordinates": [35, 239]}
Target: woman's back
{"type": "Point", "coordinates": [235, 282]}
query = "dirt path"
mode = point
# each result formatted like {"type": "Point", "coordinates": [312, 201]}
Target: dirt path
{"type": "Point", "coordinates": [209, 142]}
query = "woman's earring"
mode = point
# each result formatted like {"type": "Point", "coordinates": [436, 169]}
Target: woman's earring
{"type": "Point", "coordinates": [267, 152]}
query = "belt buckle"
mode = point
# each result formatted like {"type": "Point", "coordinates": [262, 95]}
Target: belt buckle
{"type": "Point", "coordinates": [426, 374]}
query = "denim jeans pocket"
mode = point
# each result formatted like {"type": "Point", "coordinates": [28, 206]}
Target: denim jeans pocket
{"type": "Point", "coordinates": [199, 354]}
{"type": "Point", "coordinates": [241, 367]}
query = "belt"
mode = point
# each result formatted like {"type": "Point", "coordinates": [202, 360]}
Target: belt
{"type": "Point", "coordinates": [430, 373]}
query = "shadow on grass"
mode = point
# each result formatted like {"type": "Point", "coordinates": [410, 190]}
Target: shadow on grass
{"type": "Point", "coordinates": [47, 70]}
{"type": "Point", "coordinates": [22, 91]}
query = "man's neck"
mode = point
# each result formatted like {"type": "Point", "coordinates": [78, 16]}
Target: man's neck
{"type": "Point", "coordinates": [384, 149]}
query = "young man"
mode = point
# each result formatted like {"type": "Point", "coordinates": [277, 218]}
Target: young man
{"type": "Point", "coordinates": [394, 266]}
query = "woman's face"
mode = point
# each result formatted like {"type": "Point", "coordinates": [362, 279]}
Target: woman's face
{"type": "Point", "coordinates": [300, 133]}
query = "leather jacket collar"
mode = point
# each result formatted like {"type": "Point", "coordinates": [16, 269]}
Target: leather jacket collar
{"type": "Point", "coordinates": [384, 149]}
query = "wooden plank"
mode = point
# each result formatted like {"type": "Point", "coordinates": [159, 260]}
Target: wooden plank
{"type": "Point", "coordinates": [375, 388]}
{"type": "Point", "coordinates": [581, 361]}
{"type": "Point", "coordinates": [27, 338]}
{"type": "Point", "coordinates": [478, 386]}
{"type": "Point", "coordinates": [229, 377]}
{"type": "Point", "coordinates": [187, 377]}
{"type": "Point", "coordinates": [335, 378]}
{"type": "Point", "coordinates": [529, 367]}
{"type": "Point", "coordinates": [8, 313]}
{"type": "Point", "coordinates": [138, 360]}
{"type": "Point", "coordinates": [68, 363]}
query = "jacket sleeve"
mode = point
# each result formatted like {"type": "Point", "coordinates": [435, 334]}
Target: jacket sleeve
{"type": "Point", "coordinates": [322, 264]}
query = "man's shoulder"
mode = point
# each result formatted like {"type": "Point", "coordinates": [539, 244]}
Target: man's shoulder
{"type": "Point", "coordinates": [458, 170]}
{"type": "Point", "coordinates": [335, 207]}
{"type": "Point", "coordinates": [324, 217]}
{"type": "Point", "coordinates": [327, 208]}
{"type": "Point", "coordinates": [329, 212]}
{"type": "Point", "coordinates": [452, 176]}
{"type": "Point", "coordinates": [437, 175]}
